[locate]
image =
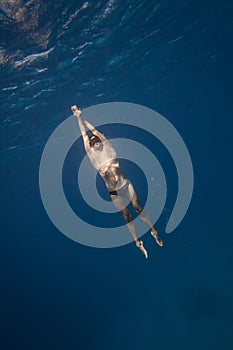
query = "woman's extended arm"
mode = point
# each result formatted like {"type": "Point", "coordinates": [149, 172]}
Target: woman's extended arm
{"type": "Point", "coordinates": [95, 131]}
{"type": "Point", "coordinates": [77, 114]}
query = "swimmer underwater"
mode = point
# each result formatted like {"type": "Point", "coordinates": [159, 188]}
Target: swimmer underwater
{"type": "Point", "coordinates": [104, 159]}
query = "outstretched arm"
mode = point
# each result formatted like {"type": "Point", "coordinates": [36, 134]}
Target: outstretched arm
{"type": "Point", "coordinates": [95, 131]}
{"type": "Point", "coordinates": [77, 114]}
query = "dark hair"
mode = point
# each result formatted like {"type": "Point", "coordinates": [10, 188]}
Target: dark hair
{"type": "Point", "coordinates": [93, 139]}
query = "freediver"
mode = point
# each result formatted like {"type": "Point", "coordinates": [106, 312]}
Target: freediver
{"type": "Point", "coordinates": [104, 159]}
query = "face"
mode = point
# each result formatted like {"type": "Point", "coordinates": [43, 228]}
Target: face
{"type": "Point", "coordinates": [96, 144]}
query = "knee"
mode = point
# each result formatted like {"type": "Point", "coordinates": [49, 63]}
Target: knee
{"type": "Point", "coordinates": [127, 216]}
{"type": "Point", "coordinates": [138, 209]}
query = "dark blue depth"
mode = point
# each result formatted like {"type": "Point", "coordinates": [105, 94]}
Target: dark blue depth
{"type": "Point", "coordinates": [174, 57]}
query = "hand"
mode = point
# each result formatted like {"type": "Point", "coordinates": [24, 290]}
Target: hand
{"type": "Point", "coordinates": [77, 112]}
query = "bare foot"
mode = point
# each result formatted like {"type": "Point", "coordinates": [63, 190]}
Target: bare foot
{"type": "Point", "coordinates": [139, 244]}
{"type": "Point", "coordinates": [157, 238]}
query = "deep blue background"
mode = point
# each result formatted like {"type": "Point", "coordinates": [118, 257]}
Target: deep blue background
{"type": "Point", "coordinates": [176, 58]}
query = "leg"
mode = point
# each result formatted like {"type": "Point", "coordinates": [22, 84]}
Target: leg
{"type": "Point", "coordinates": [122, 207]}
{"type": "Point", "coordinates": [133, 197]}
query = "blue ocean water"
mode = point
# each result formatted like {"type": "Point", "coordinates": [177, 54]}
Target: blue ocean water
{"type": "Point", "coordinates": [174, 57]}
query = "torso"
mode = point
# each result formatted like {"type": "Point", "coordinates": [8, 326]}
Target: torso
{"type": "Point", "coordinates": [112, 175]}
{"type": "Point", "coordinates": [107, 164]}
